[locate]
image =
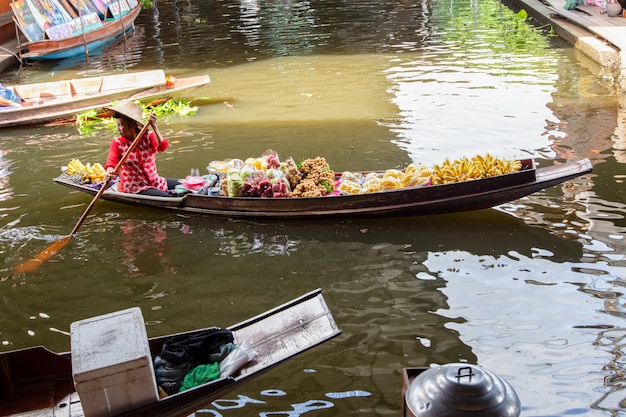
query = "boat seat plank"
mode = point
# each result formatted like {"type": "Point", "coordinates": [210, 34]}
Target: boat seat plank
{"type": "Point", "coordinates": [63, 394]}
{"type": "Point", "coordinates": [76, 410]}
{"type": "Point", "coordinates": [60, 90]}
{"type": "Point", "coordinates": [86, 86]}
{"type": "Point", "coordinates": [124, 81]}
{"type": "Point", "coordinates": [117, 82]}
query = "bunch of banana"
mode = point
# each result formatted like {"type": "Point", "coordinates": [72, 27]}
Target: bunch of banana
{"type": "Point", "coordinates": [480, 166]}
{"type": "Point", "coordinates": [416, 175]}
{"type": "Point", "coordinates": [74, 167]}
{"type": "Point", "coordinates": [490, 166]}
{"type": "Point", "coordinates": [88, 173]}
{"type": "Point", "coordinates": [96, 173]}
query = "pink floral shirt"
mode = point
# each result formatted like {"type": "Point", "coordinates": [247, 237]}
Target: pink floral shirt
{"type": "Point", "coordinates": [139, 172]}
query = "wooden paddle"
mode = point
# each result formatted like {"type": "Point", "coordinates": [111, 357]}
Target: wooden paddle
{"type": "Point", "coordinates": [48, 252]}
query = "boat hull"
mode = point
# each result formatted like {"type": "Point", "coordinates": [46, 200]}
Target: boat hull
{"type": "Point", "coordinates": [79, 50]}
{"type": "Point", "coordinates": [437, 199]}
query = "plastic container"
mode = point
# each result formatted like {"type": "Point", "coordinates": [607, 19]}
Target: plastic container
{"type": "Point", "coordinates": [112, 365]}
{"type": "Point", "coordinates": [213, 191]}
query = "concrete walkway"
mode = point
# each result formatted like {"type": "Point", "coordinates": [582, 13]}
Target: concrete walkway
{"type": "Point", "coordinates": [588, 28]}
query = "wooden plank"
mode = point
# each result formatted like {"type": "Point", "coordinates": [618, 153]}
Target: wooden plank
{"type": "Point", "coordinates": [287, 332]}
{"type": "Point", "coordinates": [133, 80]}
{"type": "Point", "coordinates": [64, 394]}
{"type": "Point", "coordinates": [75, 408]}
{"type": "Point", "coordinates": [56, 89]}
{"type": "Point", "coordinates": [117, 82]}
{"type": "Point", "coordinates": [86, 86]}
{"type": "Point", "coordinates": [612, 29]}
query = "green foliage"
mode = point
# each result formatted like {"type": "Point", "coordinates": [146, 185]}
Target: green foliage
{"type": "Point", "coordinates": [180, 107]}
{"type": "Point", "coordinates": [92, 120]}
{"type": "Point", "coordinates": [146, 4]}
{"type": "Point", "coordinates": [490, 22]}
{"type": "Point", "coordinates": [85, 121]}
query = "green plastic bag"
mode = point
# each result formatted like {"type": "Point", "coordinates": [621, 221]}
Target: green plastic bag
{"type": "Point", "coordinates": [199, 375]}
{"type": "Point", "coordinates": [571, 4]}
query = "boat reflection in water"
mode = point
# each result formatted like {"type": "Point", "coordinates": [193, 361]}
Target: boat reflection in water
{"type": "Point", "coordinates": [143, 248]}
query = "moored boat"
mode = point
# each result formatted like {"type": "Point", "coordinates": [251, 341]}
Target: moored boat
{"type": "Point", "coordinates": [80, 38]}
{"type": "Point", "coordinates": [61, 100]}
{"type": "Point", "coordinates": [38, 382]}
{"type": "Point", "coordinates": [407, 201]}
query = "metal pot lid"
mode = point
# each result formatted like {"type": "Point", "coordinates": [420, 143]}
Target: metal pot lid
{"type": "Point", "coordinates": [460, 389]}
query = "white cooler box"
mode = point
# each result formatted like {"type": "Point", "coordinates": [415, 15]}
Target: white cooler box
{"type": "Point", "coordinates": [111, 363]}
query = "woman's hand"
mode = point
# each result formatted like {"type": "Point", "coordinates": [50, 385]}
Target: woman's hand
{"type": "Point", "coordinates": [157, 133]}
{"type": "Point", "coordinates": [152, 119]}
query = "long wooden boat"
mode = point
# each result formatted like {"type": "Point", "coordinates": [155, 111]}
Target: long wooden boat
{"type": "Point", "coordinates": [82, 43]}
{"type": "Point", "coordinates": [39, 382]}
{"type": "Point", "coordinates": [425, 200]}
{"type": "Point", "coordinates": [59, 100]}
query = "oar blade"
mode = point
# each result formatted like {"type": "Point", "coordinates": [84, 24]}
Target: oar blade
{"type": "Point", "coordinates": [34, 263]}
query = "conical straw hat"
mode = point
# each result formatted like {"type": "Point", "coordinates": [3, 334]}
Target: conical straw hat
{"type": "Point", "coordinates": [127, 108]}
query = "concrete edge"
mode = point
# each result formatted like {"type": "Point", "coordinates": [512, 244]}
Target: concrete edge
{"type": "Point", "coordinates": [588, 43]}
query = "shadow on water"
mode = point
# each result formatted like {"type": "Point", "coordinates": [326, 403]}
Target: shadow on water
{"type": "Point", "coordinates": [482, 232]}
{"type": "Point", "coordinates": [161, 245]}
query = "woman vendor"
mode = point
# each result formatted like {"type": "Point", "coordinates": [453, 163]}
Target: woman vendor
{"type": "Point", "coordinates": [138, 174]}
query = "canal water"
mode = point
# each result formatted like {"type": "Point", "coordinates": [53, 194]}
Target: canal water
{"type": "Point", "coordinates": [531, 290]}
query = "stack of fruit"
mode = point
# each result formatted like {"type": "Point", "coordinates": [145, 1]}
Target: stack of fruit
{"type": "Point", "coordinates": [86, 173]}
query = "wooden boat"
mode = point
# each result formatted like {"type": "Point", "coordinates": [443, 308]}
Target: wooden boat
{"type": "Point", "coordinates": [106, 32]}
{"type": "Point", "coordinates": [60, 100]}
{"type": "Point", "coordinates": [38, 382]}
{"type": "Point", "coordinates": [425, 200]}
{"type": "Point", "coordinates": [408, 376]}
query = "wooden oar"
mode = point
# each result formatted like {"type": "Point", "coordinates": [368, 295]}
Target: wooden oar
{"type": "Point", "coordinates": [48, 252]}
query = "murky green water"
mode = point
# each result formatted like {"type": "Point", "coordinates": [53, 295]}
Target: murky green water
{"type": "Point", "coordinates": [531, 291]}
